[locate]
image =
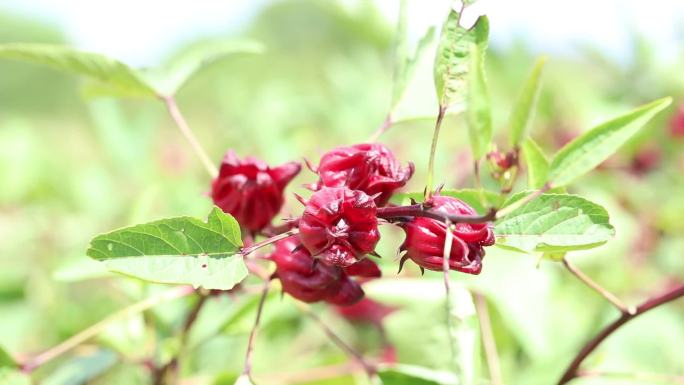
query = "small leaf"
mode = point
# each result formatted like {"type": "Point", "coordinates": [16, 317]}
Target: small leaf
{"type": "Point", "coordinates": [593, 147]}
{"type": "Point", "coordinates": [6, 360]}
{"type": "Point", "coordinates": [168, 79]}
{"type": "Point", "coordinates": [537, 164]}
{"type": "Point", "coordinates": [523, 110]}
{"type": "Point", "coordinates": [478, 114]}
{"type": "Point", "coordinates": [452, 59]}
{"type": "Point", "coordinates": [10, 376]}
{"type": "Point", "coordinates": [108, 72]}
{"type": "Point", "coordinates": [554, 223]}
{"type": "Point", "coordinates": [406, 65]}
{"type": "Point", "coordinates": [180, 250]}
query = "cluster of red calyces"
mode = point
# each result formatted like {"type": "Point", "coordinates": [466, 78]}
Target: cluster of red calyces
{"type": "Point", "coordinates": [425, 238]}
{"type": "Point", "coordinates": [328, 259]}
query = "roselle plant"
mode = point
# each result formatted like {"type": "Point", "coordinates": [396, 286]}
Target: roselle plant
{"type": "Point", "coordinates": [327, 252]}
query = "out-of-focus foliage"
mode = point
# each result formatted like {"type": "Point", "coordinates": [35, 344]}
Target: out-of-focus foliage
{"type": "Point", "coordinates": [72, 167]}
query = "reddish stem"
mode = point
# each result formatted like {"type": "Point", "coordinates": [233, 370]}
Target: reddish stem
{"type": "Point", "coordinates": [419, 210]}
{"type": "Point", "coordinates": [573, 370]}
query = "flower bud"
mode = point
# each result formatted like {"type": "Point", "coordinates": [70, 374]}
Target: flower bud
{"type": "Point", "coordinates": [300, 276]}
{"type": "Point", "coordinates": [369, 167]}
{"type": "Point", "coordinates": [349, 293]}
{"type": "Point", "coordinates": [425, 238]}
{"type": "Point", "coordinates": [308, 281]}
{"type": "Point", "coordinates": [339, 226]}
{"type": "Point", "coordinates": [250, 190]}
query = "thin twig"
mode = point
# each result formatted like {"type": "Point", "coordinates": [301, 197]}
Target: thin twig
{"type": "Point", "coordinates": [386, 124]}
{"type": "Point", "coordinates": [446, 255]}
{"type": "Point", "coordinates": [488, 341]}
{"type": "Point", "coordinates": [573, 369]}
{"type": "Point", "coordinates": [250, 249]}
{"type": "Point", "coordinates": [419, 210]}
{"type": "Point", "coordinates": [169, 372]}
{"type": "Point", "coordinates": [598, 288]}
{"type": "Point", "coordinates": [86, 334]}
{"type": "Point", "coordinates": [182, 124]}
{"type": "Point", "coordinates": [369, 368]}
{"type": "Point", "coordinates": [247, 371]}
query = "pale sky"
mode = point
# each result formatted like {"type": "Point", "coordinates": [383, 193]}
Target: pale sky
{"type": "Point", "coordinates": [140, 31]}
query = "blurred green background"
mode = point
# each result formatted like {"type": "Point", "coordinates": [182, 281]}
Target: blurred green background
{"type": "Point", "coordinates": [72, 167]}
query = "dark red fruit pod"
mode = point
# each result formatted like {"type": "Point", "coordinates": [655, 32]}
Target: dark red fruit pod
{"type": "Point", "coordinates": [250, 190]}
{"type": "Point", "coordinates": [339, 226]}
{"type": "Point", "coordinates": [425, 239]}
{"type": "Point", "coordinates": [350, 292]}
{"type": "Point", "coordinates": [369, 167]}
{"type": "Point", "coordinates": [300, 275]}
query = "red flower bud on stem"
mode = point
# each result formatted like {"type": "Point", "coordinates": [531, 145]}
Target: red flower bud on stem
{"type": "Point", "coordinates": [369, 167]}
{"type": "Point", "coordinates": [425, 238]}
{"type": "Point", "coordinates": [305, 279]}
{"type": "Point", "coordinates": [250, 190]}
{"type": "Point", "coordinates": [339, 226]}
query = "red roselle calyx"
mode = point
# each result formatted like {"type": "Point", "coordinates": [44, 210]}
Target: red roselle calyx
{"type": "Point", "coordinates": [339, 226]}
{"type": "Point", "coordinates": [250, 190]}
{"type": "Point", "coordinates": [369, 167]}
{"type": "Point", "coordinates": [425, 238]}
{"type": "Point", "coordinates": [501, 161]}
{"type": "Point", "coordinates": [305, 279]}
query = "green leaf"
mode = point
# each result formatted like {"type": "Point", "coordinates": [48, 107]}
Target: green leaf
{"type": "Point", "coordinates": [593, 147]}
{"type": "Point", "coordinates": [452, 60]}
{"type": "Point", "coordinates": [168, 79]}
{"type": "Point", "coordinates": [523, 110]}
{"type": "Point", "coordinates": [180, 250]}
{"type": "Point", "coordinates": [419, 330]}
{"type": "Point", "coordinates": [480, 200]}
{"type": "Point", "coordinates": [478, 114]}
{"type": "Point", "coordinates": [537, 164]}
{"type": "Point", "coordinates": [108, 72]}
{"type": "Point", "coordinates": [554, 223]}
{"type": "Point", "coordinates": [6, 360]}
{"type": "Point", "coordinates": [414, 375]}
{"type": "Point", "coordinates": [406, 65]}
{"type": "Point", "coordinates": [464, 334]}
{"type": "Point", "coordinates": [10, 376]}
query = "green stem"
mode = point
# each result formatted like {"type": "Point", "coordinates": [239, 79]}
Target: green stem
{"type": "Point", "coordinates": [247, 371]}
{"type": "Point", "coordinates": [182, 124]}
{"type": "Point", "coordinates": [433, 149]}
